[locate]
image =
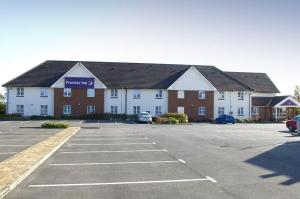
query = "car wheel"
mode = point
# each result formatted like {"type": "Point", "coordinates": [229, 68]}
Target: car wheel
{"type": "Point", "coordinates": [291, 129]}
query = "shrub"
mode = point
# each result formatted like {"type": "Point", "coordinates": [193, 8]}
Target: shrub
{"type": "Point", "coordinates": [173, 120]}
{"type": "Point", "coordinates": [55, 125]}
{"type": "Point", "coordinates": [182, 118]}
{"type": "Point", "coordinates": [162, 120]}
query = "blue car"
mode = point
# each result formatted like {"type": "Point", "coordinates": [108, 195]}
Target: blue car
{"type": "Point", "coordinates": [225, 119]}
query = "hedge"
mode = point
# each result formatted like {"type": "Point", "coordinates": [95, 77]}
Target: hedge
{"type": "Point", "coordinates": [182, 118]}
{"type": "Point", "coordinates": [54, 125]}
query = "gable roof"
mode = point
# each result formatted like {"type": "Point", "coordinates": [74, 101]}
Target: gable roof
{"type": "Point", "coordinates": [259, 82]}
{"type": "Point", "coordinates": [267, 101]}
{"type": "Point", "coordinates": [125, 75]}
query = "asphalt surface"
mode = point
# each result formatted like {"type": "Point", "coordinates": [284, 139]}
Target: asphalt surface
{"type": "Point", "coordinates": [115, 161]}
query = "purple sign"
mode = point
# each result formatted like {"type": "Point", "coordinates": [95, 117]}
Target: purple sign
{"type": "Point", "coordinates": [79, 82]}
{"type": "Point", "coordinates": [288, 103]}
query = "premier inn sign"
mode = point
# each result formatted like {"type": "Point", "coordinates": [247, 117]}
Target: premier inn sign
{"type": "Point", "coordinates": [79, 82]}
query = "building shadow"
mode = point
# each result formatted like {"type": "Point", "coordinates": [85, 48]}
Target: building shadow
{"type": "Point", "coordinates": [283, 160]}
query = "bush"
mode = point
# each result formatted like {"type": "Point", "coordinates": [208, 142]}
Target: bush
{"type": "Point", "coordinates": [182, 118]}
{"type": "Point", "coordinates": [173, 120]}
{"type": "Point", "coordinates": [55, 125]}
{"type": "Point", "coordinates": [162, 120]}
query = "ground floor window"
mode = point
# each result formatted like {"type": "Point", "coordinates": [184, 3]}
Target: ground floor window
{"type": "Point", "coordinates": [180, 109]}
{"type": "Point", "coordinates": [255, 111]}
{"type": "Point", "coordinates": [114, 109]}
{"type": "Point", "coordinates": [91, 109]}
{"type": "Point", "coordinates": [136, 110]}
{"type": "Point", "coordinates": [202, 110]}
{"type": "Point", "coordinates": [221, 111]}
{"type": "Point", "coordinates": [240, 111]}
{"type": "Point", "coordinates": [67, 109]}
{"type": "Point", "coordinates": [44, 109]}
{"type": "Point", "coordinates": [158, 110]}
{"type": "Point", "coordinates": [20, 109]}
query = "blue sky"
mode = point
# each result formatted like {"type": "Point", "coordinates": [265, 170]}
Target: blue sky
{"type": "Point", "coordinates": [234, 35]}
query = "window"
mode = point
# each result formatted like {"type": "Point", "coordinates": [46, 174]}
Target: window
{"type": "Point", "coordinates": [240, 95]}
{"type": "Point", "coordinates": [180, 94]}
{"type": "Point", "coordinates": [180, 109]}
{"type": "Point", "coordinates": [67, 92]}
{"type": "Point", "coordinates": [201, 111]}
{"type": "Point", "coordinates": [136, 110]}
{"type": "Point", "coordinates": [221, 111]}
{"type": "Point", "coordinates": [201, 94]}
{"type": "Point", "coordinates": [44, 109]}
{"type": "Point", "coordinates": [136, 94]}
{"type": "Point", "coordinates": [159, 94]}
{"type": "Point", "coordinates": [255, 111]}
{"type": "Point", "coordinates": [221, 95]}
{"type": "Point", "coordinates": [114, 109]}
{"type": "Point", "coordinates": [240, 111]}
{"type": "Point", "coordinates": [91, 109]}
{"type": "Point", "coordinates": [114, 93]}
{"type": "Point", "coordinates": [90, 92]}
{"type": "Point", "coordinates": [20, 92]}
{"type": "Point", "coordinates": [67, 109]}
{"type": "Point", "coordinates": [20, 109]}
{"type": "Point", "coordinates": [158, 110]}
{"type": "Point", "coordinates": [44, 92]}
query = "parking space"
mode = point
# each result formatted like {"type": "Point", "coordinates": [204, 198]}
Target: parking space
{"type": "Point", "coordinates": [170, 161]}
{"type": "Point", "coordinates": [14, 138]}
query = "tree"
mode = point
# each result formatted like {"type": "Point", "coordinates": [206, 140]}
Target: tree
{"type": "Point", "coordinates": [2, 104]}
{"type": "Point", "coordinates": [297, 92]}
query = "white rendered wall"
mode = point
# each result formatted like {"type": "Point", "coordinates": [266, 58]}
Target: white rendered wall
{"type": "Point", "coordinates": [235, 103]}
{"type": "Point", "coordinates": [32, 101]}
{"type": "Point", "coordinates": [147, 102]}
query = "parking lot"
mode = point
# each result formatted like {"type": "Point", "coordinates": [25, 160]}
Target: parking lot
{"type": "Point", "coordinates": [111, 160]}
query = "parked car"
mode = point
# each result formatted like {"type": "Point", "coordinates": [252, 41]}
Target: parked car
{"type": "Point", "coordinates": [292, 123]}
{"type": "Point", "coordinates": [145, 117]}
{"type": "Point", "coordinates": [225, 119]}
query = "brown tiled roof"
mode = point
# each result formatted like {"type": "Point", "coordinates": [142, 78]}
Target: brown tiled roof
{"type": "Point", "coordinates": [125, 75]}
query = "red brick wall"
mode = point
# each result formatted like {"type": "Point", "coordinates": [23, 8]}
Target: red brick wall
{"type": "Point", "coordinates": [191, 103]}
{"type": "Point", "coordinates": [78, 101]}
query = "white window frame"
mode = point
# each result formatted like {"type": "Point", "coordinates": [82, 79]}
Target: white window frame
{"type": "Point", "coordinates": [136, 110]}
{"type": "Point", "coordinates": [136, 94]}
{"type": "Point", "coordinates": [20, 92]}
{"type": "Point", "coordinates": [255, 111]}
{"type": "Point", "coordinates": [67, 92]}
{"type": "Point", "coordinates": [241, 95]}
{"type": "Point", "coordinates": [113, 93]}
{"type": "Point", "coordinates": [180, 94]}
{"type": "Point", "coordinates": [240, 111]}
{"type": "Point", "coordinates": [43, 92]}
{"type": "Point", "coordinates": [159, 94]}
{"type": "Point", "coordinates": [67, 109]}
{"type": "Point", "coordinates": [90, 92]}
{"type": "Point", "coordinates": [180, 109]}
{"type": "Point", "coordinates": [158, 110]}
{"type": "Point", "coordinates": [114, 109]}
{"type": "Point", "coordinates": [44, 110]}
{"type": "Point", "coordinates": [201, 94]}
{"type": "Point", "coordinates": [202, 110]}
{"type": "Point", "coordinates": [221, 111]}
{"type": "Point", "coordinates": [221, 95]}
{"type": "Point", "coordinates": [90, 109]}
{"type": "Point", "coordinates": [20, 109]}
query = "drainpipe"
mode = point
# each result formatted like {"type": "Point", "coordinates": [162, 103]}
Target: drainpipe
{"type": "Point", "coordinates": [250, 103]}
{"type": "Point", "coordinates": [126, 101]}
{"type": "Point", "coordinates": [7, 100]}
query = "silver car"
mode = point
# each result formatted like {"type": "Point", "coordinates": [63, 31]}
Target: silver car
{"type": "Point", "coordinates": [145, 117]}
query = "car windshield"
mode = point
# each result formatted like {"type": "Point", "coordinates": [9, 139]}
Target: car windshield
{"type": "Point", "coordinates": [145, 114]}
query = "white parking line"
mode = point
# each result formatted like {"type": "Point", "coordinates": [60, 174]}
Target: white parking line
{"type": "Point", "coordinates": [108, 135]}
{"type": "Point", "coordinates": [19, 140]}
{"type": "Point", "coordinates": [120, 183]}
{"type": "Point", "coordinates": [14, 145]}
{"type": "Point", "coordinates": [133, 151]}
{"type": "Point", "coordinates": [5, 153]}
{"type": "Point", "coordinates": [91, 144]}
{"type": "Point", "coordinates": [112, 163]}
{"type": "Point", "coordinates": [110, 139]}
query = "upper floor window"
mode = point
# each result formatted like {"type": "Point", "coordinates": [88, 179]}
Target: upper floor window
{"type": "Point", "coordinates": [67, 110]}
{"type": "Point", "coordinates": [67, 92]}
{"type": "Point", "coordinates": [136, 110]}
{"type": "Point", "coordinates": [136, 94]}
{"type": "Point", "coordinates": [202, 110]}
{"type": "Point", "coordinates": [159, 94]}
{"type": "Point", "coordinates": [20, 109]}
{"type": "Point", "coordinates": [20, 92]}
{"type": "Point", "coordinates": [240, 95]}
{"type": "Point", "coordinates": [240, 111]}
{"type": "Point", "coordinates": [221, 95]}
{"type": "Point", "coordinates": [221, 111]}
{"type": "Point", "coordinates": [91, 109]}
{"type": "Point", "coordinates": [90, 92]}
{"type": "Point", "coordinates": [201, 94]}
{"type": "Point", "coordinates": [44, 92]}
{"type": "Point", "coordinates": [180, 94]}
{"type": "Point", "coordinates": [44, 110]}
{"type": "Point", "coordinates": [114, 93]}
